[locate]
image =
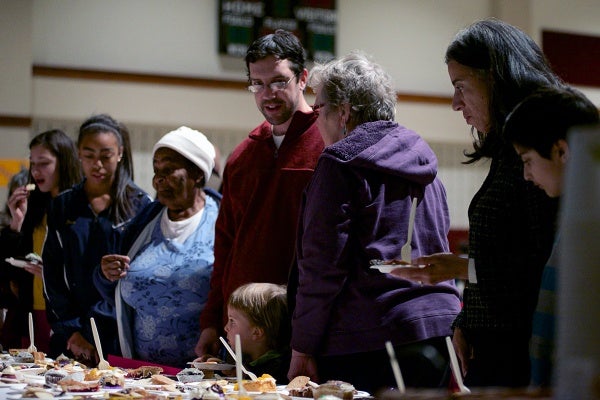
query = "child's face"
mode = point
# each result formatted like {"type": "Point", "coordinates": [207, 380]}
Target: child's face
{"type": "Point", "coordinates": [238, 324]}
{"type": "Point", "coordinates": [543, 172]}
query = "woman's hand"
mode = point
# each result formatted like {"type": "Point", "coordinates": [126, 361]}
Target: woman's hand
{"type": "Point", "coordinates": [17, 204]}
{"type": "Point", "coordinates": [114, 266]}
{"type": "Point", "coordinates": [82, 350]}
{"type": "Point", "coordinates": [303, 364]}
{"type": "Point", "coordinates": [208, 343]}
{"type": "Point", "coordinates": [463, 350]}
{"type": "Point", "coordinates": [35, 269]}
{"type": "Point", "coordinates": [435, 268]}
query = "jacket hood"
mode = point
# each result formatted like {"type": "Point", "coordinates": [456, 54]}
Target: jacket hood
{"type": "Point", "coordinates": [386, 147]}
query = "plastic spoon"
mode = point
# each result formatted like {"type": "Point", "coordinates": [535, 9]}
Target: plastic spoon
{"type": "Point", "coordinates": [239, 366]}
{"type": "Point", "coordinates": [232, 354]}
{"type": "Point", "coordinates": [395, 367]}
{"type": "Point", "coordinates": [32, 349]}
{"type": "Point", "coordinates": [406, 250]}
{"type": "Point", "coordinates": [455, 367]}
{"type": "Point", "coordinates": [103, 364]}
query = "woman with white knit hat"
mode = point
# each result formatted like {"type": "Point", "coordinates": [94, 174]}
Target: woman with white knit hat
{"type": "Point", "coordinates": [161, 285]}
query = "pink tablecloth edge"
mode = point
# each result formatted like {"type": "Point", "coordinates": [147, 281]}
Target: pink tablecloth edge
{"type": "Point", "coordinates": [122, 362]}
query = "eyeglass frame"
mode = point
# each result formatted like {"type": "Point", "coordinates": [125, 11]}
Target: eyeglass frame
{"type": "Point", "coordinates": [276, 86]}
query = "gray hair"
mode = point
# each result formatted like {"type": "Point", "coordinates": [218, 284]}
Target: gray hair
{"type": "Point", "coordinates": [356, 80]}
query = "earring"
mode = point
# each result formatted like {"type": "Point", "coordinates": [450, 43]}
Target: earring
{"type": "Point", "coordinates": [344, 131]}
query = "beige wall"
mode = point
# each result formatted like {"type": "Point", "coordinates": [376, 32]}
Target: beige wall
{"type": "Point", "coordinates": [15, 77]}
{"type": "Point", "coordinates": [408, 37]}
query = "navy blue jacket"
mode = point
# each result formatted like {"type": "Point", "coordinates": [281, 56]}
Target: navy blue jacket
{"type": "Point", "coordinates": [77, 239]}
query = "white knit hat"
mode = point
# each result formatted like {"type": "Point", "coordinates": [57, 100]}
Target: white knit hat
{"type": "Point", "coordinates": [191, 144]}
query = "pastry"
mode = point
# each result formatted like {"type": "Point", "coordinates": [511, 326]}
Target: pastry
{"type": "Point", "coordinates": [70, 385]}
{"type": "Point", "coordinates": [299, 387]}
{"type": "Point", "coordinates": [264, 383]}
{"type": "Point", "coordinates": [143, 372]}
{"type": "Point", "coordinates": [162, 380]}
{"type": "Point", "coordinates": [92, 374]}
{"type": "Point", "coordinates": [111, 380]}
{"type": "Point", "coordinates": [339, 389]}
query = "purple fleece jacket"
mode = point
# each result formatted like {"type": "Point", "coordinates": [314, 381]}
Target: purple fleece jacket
{"type": "Point", "coordinates": [355, 209]}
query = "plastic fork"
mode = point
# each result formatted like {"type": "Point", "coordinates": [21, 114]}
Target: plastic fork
{"type": "Point", "coordinates": [232, 354]}
{"type": "Point", "coordinates": [406, 250]}
{"type": "Point", "coordinates": [103, 364]}
{"type": "Point", "coordinates": [31, 349]}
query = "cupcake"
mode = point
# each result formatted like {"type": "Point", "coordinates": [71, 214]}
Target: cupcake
{"type": "Point", "coordinates": [54, 375]}
{"type": "Point", "coordinates": [188, 375]}
{"type": "Point", "coordinates": [24, 357]}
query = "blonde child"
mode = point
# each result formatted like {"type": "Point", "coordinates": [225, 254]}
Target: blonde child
{"type": "Point", "coordinates": [258, 312]}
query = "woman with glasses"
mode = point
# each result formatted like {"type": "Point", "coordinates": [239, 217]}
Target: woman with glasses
{"type": "Point", "coordinates": [356, 209]}
{"type": "Point", "coordinates": [263, 181]}
{"type": "Point", "coordinates": [83, 225]}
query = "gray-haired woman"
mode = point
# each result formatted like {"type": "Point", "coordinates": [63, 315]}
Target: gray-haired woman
{"type": "Point", "coordinates": [355, 209]}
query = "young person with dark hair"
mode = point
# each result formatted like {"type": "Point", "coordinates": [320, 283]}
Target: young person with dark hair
{"type": "Point", "coordinates": [53, 168]}
{"type": "Point", "coordinates": [538, 128]}
{"type": "Point", "coordinates": [84, 223]}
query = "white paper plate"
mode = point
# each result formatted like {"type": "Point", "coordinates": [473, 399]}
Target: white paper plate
{"type": "Point", "coordinates": [12, 386]}
{"type": "Point", "coordinates": [358, 395]}
{"type": "Point", "coordinates": [213, 366]}
{"type": "Point", "coordinates": [387, 268]}
{"type": "Point", "coordinates": [98, 394]}
{"type": "Point", "coordinates": [32, 371]}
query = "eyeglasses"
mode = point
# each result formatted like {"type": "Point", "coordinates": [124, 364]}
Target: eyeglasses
{"type": "Point", "coordinates": [274, 86]}
{"type": "Point", "coordinates": [317, 107]}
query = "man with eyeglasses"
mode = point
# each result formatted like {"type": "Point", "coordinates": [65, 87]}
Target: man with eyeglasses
{"type": "Point", "coordinates": [263, 181]}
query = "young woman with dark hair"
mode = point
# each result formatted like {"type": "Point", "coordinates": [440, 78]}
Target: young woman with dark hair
{"type": "Point", "coordinates": [85, 223]}
{"type": "Point", "coordinates": [53, 169]}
